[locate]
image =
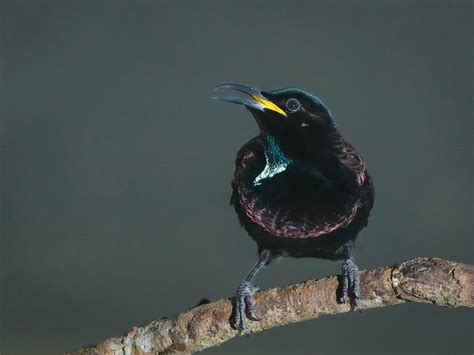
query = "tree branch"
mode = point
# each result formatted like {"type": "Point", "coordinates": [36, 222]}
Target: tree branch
{"type": "Point", "coordinates": [429, 280]}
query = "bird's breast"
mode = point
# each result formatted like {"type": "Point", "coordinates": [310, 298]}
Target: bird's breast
{"type": "Point", "coordinates": [295, 203]}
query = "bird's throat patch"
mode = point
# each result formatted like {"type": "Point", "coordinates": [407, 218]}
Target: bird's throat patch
{"type": "Point", "coordinates": [276, 161]}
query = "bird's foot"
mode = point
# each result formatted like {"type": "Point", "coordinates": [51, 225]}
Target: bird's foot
{"type": "Point", "coordinates": [350, 288]}
{"type": "Point", "coordinates": [244, 307]}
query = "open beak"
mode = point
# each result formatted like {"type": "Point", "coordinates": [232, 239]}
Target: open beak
{"type": "Point", "coordinates": [256, 101]}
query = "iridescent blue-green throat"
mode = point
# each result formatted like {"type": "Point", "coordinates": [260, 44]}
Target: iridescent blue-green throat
{"type": "Point", "coordinates": [276, 160]}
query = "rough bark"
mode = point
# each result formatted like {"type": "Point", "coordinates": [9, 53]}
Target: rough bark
{"type": "Point", "coordinates": [428, 280]}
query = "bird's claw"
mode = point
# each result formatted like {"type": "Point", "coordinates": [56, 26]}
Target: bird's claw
{"type": "Point", "coordinates": [350, 289]}
{"type": "Point", "coordinates": [244, 307]}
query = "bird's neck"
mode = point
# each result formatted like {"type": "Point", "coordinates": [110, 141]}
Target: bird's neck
{"type": "Point", "coordinates": [276, 160]}
{"type": "Point", "coordinates": [319, 160]}
{"type": "Point", "coordinates": [274, 152]}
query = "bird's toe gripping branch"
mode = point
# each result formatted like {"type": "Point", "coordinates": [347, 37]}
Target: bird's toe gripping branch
{"type": "Point", "coordinates": [244, 306]}
{"type": "Point", "coordinates": [350, 287]}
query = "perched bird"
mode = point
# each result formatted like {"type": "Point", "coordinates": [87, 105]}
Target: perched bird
{"type": "Point", "coordinates": [299, 189]}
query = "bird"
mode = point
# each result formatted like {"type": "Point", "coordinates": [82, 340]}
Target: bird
{"type": "Point", "coordinates": [299, 189]}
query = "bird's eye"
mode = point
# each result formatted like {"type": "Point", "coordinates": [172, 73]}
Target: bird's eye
{"type": "Point", "coordinates": [293, 105]}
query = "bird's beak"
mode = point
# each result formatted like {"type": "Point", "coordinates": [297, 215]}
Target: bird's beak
{"type": "Point", "coordinates": [257, 100]}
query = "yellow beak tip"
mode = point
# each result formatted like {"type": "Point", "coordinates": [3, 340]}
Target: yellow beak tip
{"type": "Point", "coordinates": [269, 105]}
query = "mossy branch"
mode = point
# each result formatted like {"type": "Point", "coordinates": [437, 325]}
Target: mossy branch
{"type": "Point", "coordinates": [427, 280]}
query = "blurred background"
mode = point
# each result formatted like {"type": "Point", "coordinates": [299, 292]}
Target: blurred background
{"type": "Point", "coordinates": [116, 164]}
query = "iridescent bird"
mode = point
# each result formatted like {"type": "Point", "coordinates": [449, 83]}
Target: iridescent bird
{"type": "Point", "coordinates": [299, 189]}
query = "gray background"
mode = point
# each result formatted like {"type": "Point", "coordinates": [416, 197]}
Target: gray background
{"type": "Point", "coordinates": [116, 165]}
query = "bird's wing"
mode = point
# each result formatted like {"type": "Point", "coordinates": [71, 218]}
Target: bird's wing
{"type": "Point", "coordinates": [350, 158]}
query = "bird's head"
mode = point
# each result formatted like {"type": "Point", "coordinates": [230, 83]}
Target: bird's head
{"type": "Point", "coordinates": [300, 122]}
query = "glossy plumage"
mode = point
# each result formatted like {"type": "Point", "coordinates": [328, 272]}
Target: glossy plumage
{"type": "Point", "coordinates": [299, 188]}
{"type": "Point", "coordinates": [297, 212]}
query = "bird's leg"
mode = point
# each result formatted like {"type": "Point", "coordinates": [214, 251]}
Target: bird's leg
{"type": "Point", "coordinates": [243, 300]}
{"type": "Point", "coordinates": [350, 287]}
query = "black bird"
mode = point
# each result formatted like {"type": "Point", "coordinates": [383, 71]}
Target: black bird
{"type": "Point", "coordinates": [299, 189]}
